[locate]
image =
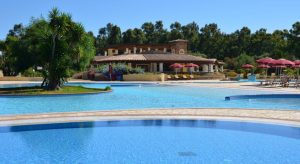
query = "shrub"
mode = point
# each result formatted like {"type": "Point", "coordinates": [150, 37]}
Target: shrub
{"type": "Point", "coordinates": [30, 72]}
{"type": "Point", "coordinates": [231, 74]}
{"type": "Point", "coordinates": [107, 88]}
{"type": "Point", "coordinates": [137, 70]}
{"type": "Point", "coordinates": [119, 68]}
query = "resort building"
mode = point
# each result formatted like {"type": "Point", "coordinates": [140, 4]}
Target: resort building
{"type": "Point", "coordinates": [157, 57]}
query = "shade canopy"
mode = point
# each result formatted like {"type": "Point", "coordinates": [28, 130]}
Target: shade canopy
{"type": "Point", "coordinates": [283, 62]}
{"type": "Point", "coordinates": [248, 66]}
{"type": "Point", "coordinates": [297, 62]}
{"type": "Point", "coordinates": [191, 65]}
{"type": "Point", "coordinates": [279, 66]}
{"type": "Point", "coordinates": [296, 66]}
{"type": "Point", "coordinates": [176, 65]}
{"type": "Point", "coordinates": [263, 66]}
{"type": "Point", "coordinates": [265, 60]}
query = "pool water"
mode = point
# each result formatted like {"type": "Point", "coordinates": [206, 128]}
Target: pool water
{"type": "Point", "coordinates": [141, 96]}
{"type": "Point", "coordinates": [151, 141]}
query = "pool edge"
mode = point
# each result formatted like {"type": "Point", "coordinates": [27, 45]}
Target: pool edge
{"type": "Point", "coordinates": [281, 117]}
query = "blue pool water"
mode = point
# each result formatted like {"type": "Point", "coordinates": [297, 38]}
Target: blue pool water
{"type": "Point", "coordinates": [151, 141]}
{"type": "Point", "coordinates": [141, 96]}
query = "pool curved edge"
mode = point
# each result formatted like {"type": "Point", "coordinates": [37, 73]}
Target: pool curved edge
{"type": "Point", "coordinates": [55, 94]}
{"type": "Point", "coordinates": [279, 117]}
{"type": "Point", "coordinates": [262, 96]}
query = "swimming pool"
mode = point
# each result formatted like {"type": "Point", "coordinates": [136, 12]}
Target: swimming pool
{"type": "Point", "coordinates": [151, 141]}
{"type": "Point", "coordinates": [141, 96]}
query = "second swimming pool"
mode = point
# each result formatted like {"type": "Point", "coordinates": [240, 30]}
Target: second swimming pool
{"type": "Point", "coordinates": [141, 96]}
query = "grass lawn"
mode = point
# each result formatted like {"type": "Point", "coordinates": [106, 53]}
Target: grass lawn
{"type": "Point", "coordinates": [39, 91]}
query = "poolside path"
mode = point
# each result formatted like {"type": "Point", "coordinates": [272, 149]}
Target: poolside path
{"type": "Point", "coordinates": [288, 117]}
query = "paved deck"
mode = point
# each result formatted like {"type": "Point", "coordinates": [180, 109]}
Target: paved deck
{"type": "Point", "coordinates": [286, 117]}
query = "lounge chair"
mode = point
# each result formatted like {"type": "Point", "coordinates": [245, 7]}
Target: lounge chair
{"type": "Point", "coordinates": [273, 75]}
{"type": "Point", "coordinates": [184, 77]}
{"type": "Point", "coordinates": [176, 77]}
{"type": "Point", "coordinates": [276, 82]}
{"type": "Point", "coordinates": [285, 82]}
{"type": "Point", "coordinates": [169, 77]}
{"type": "Point", "coordinates": [257, 75]}
{"type": "Point", "coordinates": [192, 77]}
{"type": "Point", "coordinates": [297, 83]}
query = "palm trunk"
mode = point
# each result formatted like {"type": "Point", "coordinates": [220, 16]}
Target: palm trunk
{"type": "Point", "coordinates": [53, 79]}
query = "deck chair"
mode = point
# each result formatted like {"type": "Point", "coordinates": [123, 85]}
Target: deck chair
{"type": "Point", "coordinates": [276, 82]}
{"type": "Point", "coordinates": [192, 77]}
{"type": "Point", "coordinates": [297, 83]}
{"type": "Point", "coordinates": [184, 77]}
{"type": "Point", "coordinates": [176, 77]}
{"type": "Point", "coordinates": [169, 77]}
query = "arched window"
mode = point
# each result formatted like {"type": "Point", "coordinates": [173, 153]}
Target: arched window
{"type": "Point", "coordinates": [181, 51]}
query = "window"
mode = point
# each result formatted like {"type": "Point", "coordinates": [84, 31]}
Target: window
{"type": "Point", "coordinates": [181, 51]}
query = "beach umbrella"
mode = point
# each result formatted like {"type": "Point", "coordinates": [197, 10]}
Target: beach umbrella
{"type": "Point", "coordinates": [247, 66]}
{"type": "Point", "coordinates": [175, 66]}
{"type": "Point", "coordinates": [297, 62]}
{"type": "Point", "coordinates": [280, 67]}
{"type": "Point", "coordinates": [191, 65]}
{"type": "Point", "coordinates": [283, 62]}
{"type": "Point", "coordinates": [265, 67]}
{"type": "Point", "coordinates": [265, 60]}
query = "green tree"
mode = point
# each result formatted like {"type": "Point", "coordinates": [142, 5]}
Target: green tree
{"type": "Point", "coordinates": [12, 51]}
{"type": "Point", "coordinates": [260, 43]}
{"type": "Point", "coordinates": [135, 36]}
{"type": "Point", "coordinates": [59, 45]}
{"type": "Point", "coordinates": [279, 44]}
{"type": "Point", "coordinates": [176, 31]}
{"type": "Point", "coordinates": [101, 40]}
{"type": "Point", "coordinates": [191, 33]}
{"type": "Point", "coordinates": [148, 29]}
{"type": "Point", "coordinates": [160, 34]}
{"type": "Point", "coordinates": [294, 40]}
{"type": "Point", "coordinates": [211, 41]}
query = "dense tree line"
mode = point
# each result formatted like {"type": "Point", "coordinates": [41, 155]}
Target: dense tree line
{"type": "Point", "coordinates": [210, 40]}
{"type": "Point", "coordinates": [26, 47]}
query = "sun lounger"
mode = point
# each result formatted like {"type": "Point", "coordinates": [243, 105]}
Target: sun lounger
{"type": "Point", "coordinates": [176, 76]}
{"type": "Point", "coordinates": [285, 82]}
{"type": "Point", "coordinates": [191, 76]}
{"type": "Point", "coordinates": [273, 75]}
{"type": "Point", "coordinates": [184, 77]}
{"type": "Point", "coordinates": [276, 82]}
{"type": "Point", "coordinates": [297, 83]}
{"type": "Point", "coordinates": [169, 77]}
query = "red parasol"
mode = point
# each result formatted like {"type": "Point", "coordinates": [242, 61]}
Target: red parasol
{"type": "Point", "coordinates": [248, 66]}
{"type": "Point", "coordinates": [297, 62]}
{"type": "Point", "coordinates": [263, 66]}
{"type": "Point", "coordinates": [191, 65]}
{"type": "Point", "coordinates": [176, 65]}
{"type": "Point", "coordinates": [296, 66]}
{"type": "Point", "coordinates": [265, 60]}
{"type": "Point", "coordinates": [283, 62]}
{"type": "Point", "coordinates": [279, 66]}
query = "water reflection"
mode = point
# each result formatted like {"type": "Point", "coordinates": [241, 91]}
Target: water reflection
{"type": "Point", "coordinates": [286, 131]}
{"type": "Point", "coordinates": [36, 140]}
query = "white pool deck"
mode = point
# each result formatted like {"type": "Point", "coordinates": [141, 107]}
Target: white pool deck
{"type": "Point", "coordinates": [285, 117]}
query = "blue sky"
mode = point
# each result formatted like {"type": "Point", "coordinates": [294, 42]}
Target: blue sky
{"type": "Point", "coordinates": [230, 15]}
